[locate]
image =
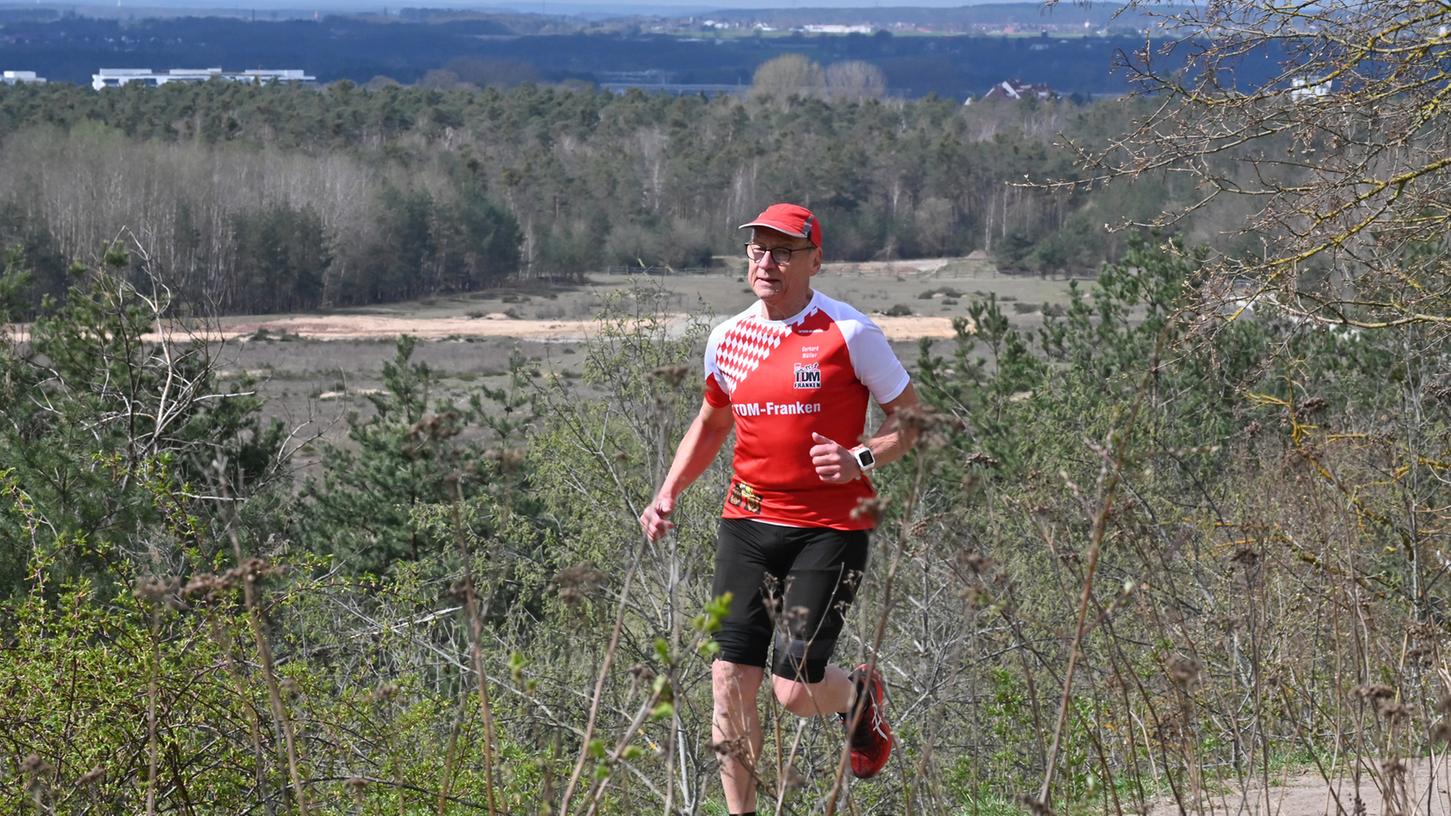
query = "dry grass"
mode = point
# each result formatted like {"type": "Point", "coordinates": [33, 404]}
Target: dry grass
{"type": "Point", "coordinates": [313, 369]}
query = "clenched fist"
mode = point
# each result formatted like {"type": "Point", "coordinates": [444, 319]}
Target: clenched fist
{"type": "Point", "coordinates": [833, 462]}
{"type": "Point", "coordinates": [655, 521]}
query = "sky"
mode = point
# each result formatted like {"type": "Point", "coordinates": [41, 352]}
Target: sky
{"type": "Point", "coordinates": [663, 7]}
{"type": "Point", "coordinates": [675, 6]}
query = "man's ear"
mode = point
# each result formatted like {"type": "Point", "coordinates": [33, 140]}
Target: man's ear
{"type": "Point", "coordinates": [816, 261]}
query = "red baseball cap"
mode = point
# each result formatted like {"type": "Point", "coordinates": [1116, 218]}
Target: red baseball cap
{"type": "Point", "coordinates": [789, 219]}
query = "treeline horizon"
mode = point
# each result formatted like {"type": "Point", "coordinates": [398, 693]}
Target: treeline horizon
{"type": "Point", "coordinates": [257, 199]}
{"type": "Point", "coordinates": [552, 49]}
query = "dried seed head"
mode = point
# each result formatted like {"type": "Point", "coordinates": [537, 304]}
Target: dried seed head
{"type": "Point", "coordinates": [1245, 556]}
{"type": "Point", "coordinates": [869, 507]}
{"type": "Point", "coordinates": [578, 582]}
{"type": "Point", "coordinates": [1182, 670]}
{"type": "Point", "coordinates": [151, 588]}
{"type": "Point", "coordinates": [385, 692]}
{"type": "Point", "coordinates": [1441, 732]}
{"type": "Point", "coordinates": [1034, 806]}
{"type": "Point", "coordinates": [434, 427]}
{"type": "Point", "coordinates": [771, 594]}
{"type": "Point", "coordinates": [252, 569]}
{"type": "Point", "coordinates": [459, 588]}
{"type": "Point", "coordinates": [94, 776]}
{"type": "Point", "coordinates": [1444, 707]}
{"type": "Point", "coordinates": [670, 376]}
{"type": "Point", "coordinates": [737, 748]}
{"type": "Point", "coordinates": [975, 561]}
{"type": "Point", "coordinates": [507, 459]}
{"type": "Point", "coordinates": [913, 419]}
{"type": "Point", "coordinates": [204, 587]}
{"type": "Point", "coordinates": [1394, 712]}
{"type": "Point", "coordinates": [579, 575]}
{"type": "Point", "coordinates": [793, 778]}
{"type": "Point", "coordinates": [1169, 731]}
{"type": "Point", "coordinates": [980, 459]}
{"type": "Point", "coordinates": [1373, 692]}
{"type": "Point", "coordinates": [34, 766]}
{"type": "Point", "coordinates": [355, 785]}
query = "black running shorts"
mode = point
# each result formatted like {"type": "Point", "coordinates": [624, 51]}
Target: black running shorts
{"type": "Point", "coordinates": [790, 586]}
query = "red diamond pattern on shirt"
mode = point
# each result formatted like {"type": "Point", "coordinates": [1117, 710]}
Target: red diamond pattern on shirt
{"type": "Point", "coordinates": [744, 347]}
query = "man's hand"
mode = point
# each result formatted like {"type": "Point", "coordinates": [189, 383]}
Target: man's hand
{"type": "Point", "coordinates": [834, 463]}
{"type": "Point", "coordinates": [655, 521]}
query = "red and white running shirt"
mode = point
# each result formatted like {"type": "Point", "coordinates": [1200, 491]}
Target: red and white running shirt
{"type": "Point", "coordinates": [784, 379]}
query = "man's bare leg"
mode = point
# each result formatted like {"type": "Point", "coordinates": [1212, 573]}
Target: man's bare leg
{"type": "Point", "coordinates": [833, 695]}
{"type": "Point", "coordinates": [736, 726]}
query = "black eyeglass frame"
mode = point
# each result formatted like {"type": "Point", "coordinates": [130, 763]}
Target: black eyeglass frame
{"type": "Point", "coordinates": [776, 253]}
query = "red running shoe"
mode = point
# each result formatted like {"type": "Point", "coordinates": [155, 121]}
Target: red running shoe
{"type": "Point", "coordinates": [871, 742]}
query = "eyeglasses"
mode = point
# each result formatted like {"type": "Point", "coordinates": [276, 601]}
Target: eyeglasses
{"type": "Point", "coordinates": [781, 255]}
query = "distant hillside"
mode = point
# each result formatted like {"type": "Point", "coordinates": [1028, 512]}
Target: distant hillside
{"type": "Point", "coordinates": [504, 50]}
{"type": "Point", "coordinates": [1027, 15]}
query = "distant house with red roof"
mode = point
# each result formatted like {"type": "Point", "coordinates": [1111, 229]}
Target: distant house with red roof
{"type": "Point", "coordinates": [1015, 90]}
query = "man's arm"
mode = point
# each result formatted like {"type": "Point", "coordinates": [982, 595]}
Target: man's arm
{"type": "Point", "coordinates": [834, 462]}
{"type": "Point", "coordinates": [697, 449]}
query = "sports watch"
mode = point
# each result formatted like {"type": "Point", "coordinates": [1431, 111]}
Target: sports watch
{"type": "Point", "coordinates": [864, 458]}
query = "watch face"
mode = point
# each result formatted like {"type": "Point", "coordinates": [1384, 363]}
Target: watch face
{"type": "Point", "coordinates": [865, 458]}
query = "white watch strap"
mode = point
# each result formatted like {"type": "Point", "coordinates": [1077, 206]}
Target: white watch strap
{"type": "Point", "coordinates": [865, 466]}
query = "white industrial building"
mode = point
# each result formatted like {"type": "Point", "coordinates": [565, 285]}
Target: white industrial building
{"type": "Point", "coordinates": [21, 78]}
{"type": "Point", "coordinates": [116, 77]}
{"type": "Point", "coordinates": [1304, 88]}
{"type": "Point", "coordinates": [838, 29]}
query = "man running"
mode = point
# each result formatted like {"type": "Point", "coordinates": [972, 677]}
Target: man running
{"type": "Point", "coordinates": [791, 375]}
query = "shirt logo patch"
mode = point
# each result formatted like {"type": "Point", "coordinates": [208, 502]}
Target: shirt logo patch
{"type": "Point", "coordinates": [745, 497]}
{"type": "Point", "coordinates": [808, 375]}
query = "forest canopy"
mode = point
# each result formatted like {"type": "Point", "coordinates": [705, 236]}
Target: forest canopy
{"type": "Point", "coordinates": [252, 199]}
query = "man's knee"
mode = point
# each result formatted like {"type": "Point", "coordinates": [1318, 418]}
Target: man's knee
{"type": "Point", "coordinates": [733, 681]}
{"type": "Point", "coordinates": [797, 697]}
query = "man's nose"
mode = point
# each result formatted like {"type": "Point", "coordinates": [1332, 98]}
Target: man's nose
{"type": "Point", "coordinates": [767, 261]}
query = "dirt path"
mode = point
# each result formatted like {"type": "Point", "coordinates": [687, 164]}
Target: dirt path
{"type": "Point", "coordinates": [1425, 794]}
{"type": "Point", "coordinates": [376, 327]}
{"type": "Point", "coordinates": [363, 327]}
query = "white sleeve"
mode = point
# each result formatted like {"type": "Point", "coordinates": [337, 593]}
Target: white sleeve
{"type": "Point", "coordinates": [711, 345]}
{"type": "Point", "coordinates": [874, 362]}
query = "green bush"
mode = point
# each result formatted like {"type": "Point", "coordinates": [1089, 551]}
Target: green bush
{"type": "Point", "coordinates": [1223, 504]}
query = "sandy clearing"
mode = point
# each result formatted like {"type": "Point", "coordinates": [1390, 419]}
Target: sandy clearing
{"type": "Point", "coordinates": [919, 266]}
{"type": "Point", "coordinates": [376, 327]}
{"type": "Point", "coordinates": [1308, 794]}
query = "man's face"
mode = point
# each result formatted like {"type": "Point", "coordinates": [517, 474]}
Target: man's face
{"type": "Point", "coordinates": [783, 285]}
